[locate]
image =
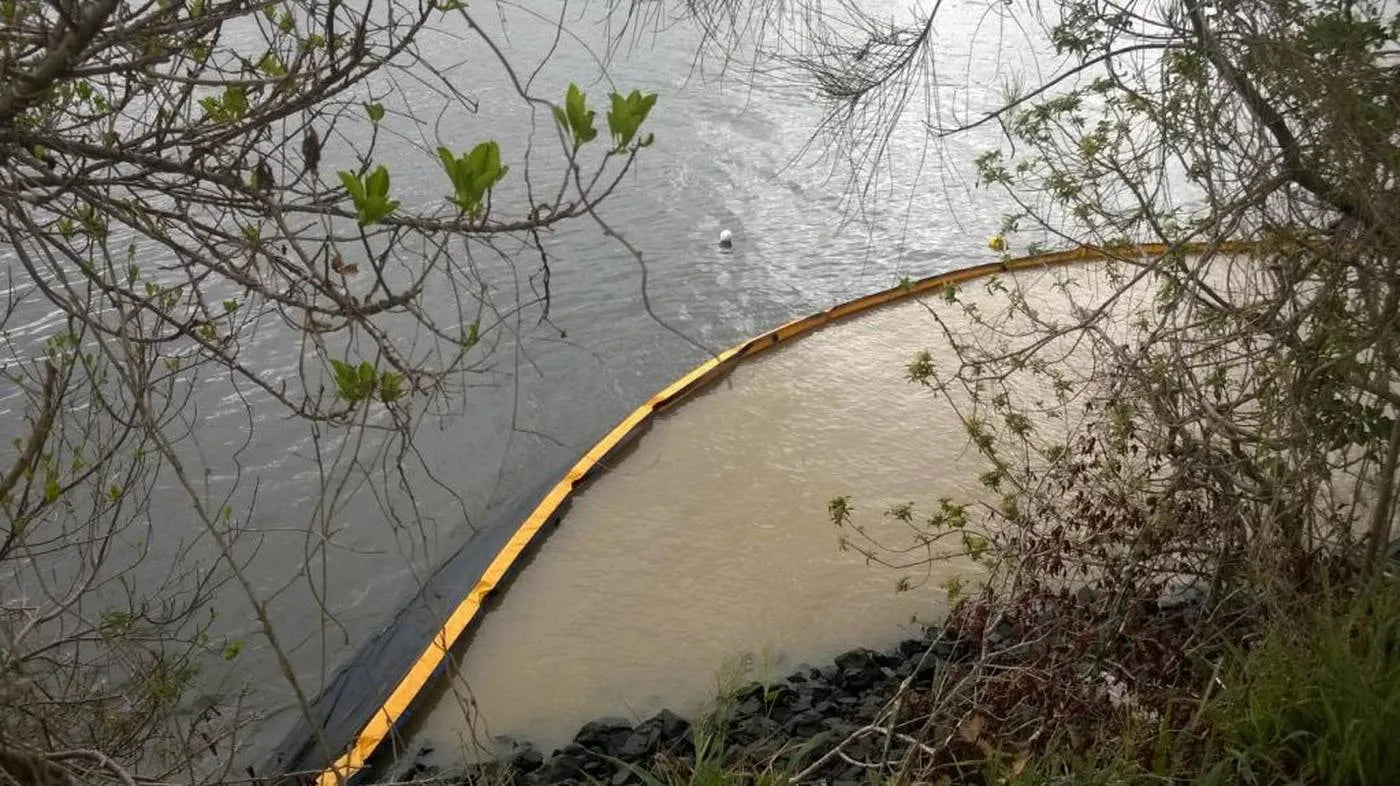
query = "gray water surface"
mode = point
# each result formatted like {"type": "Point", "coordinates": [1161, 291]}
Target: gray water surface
{"type": "Point", "coordinates": [730, 153]}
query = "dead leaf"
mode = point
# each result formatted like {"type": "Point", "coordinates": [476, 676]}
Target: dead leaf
{"type": "Point", "coordinates": [970, 730]}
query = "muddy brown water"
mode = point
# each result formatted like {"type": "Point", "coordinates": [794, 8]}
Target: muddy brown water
{"type": "Point", "coordinates": [706, 556]}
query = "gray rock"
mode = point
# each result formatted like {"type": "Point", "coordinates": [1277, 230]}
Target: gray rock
{"type": "Point", "coordinates": [751, 730]}
{"type": "Point", "coordinates": [912, 648]}
{"type": "Point", "coordinates": [804, 725]}
{"type": "Point", "coordinates": [526, 760]}
{"type": "Point", "coordinates": [673, 727]}
{"type": "Point", "coordinates": [605, 735]}
{"type": "Point", "coordinates": [858, 670]}
{"type": "Point", "coordinates": [753, 705]}
{"type": "Point", "coordinates": [623, 777]}
{"type": "Point", "coordinates": [800, 703]}
{"type": "Point", "coordinates": [598, 769]}
{"type": "Point", "coordinates": [644, 741]}
{"type": "Point", "coordinates": [855, 659]}
{"type": "Point", "coordinates": [558, 769]}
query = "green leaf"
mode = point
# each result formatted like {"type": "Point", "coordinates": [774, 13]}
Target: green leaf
{"type": "Point", "coordinates": [576, 117]}
{"type": "Point", "coordinates": [51, 489]}
{"type": "Point", "coordinates": [271, 65]}
{"type": "Point", "coordinates": [115, 624]}
{"type": "Point", "coordinates": [390, 387]}
{"type": "Point", "coordinates": [370, 195]}
{"type": "Point", "coordinates": [347, 380]}
{"type": "Point", "coordinates": [353, 185]}
{"type": "Point", "coordinates": [229, 107]}
{"type": "Point", "coordinates": [232, 649]}
{"type": "Point", "coordinates": [377, 185]}
{"type": "Point", "coordinates": [362, 382]}
{"type": "Point", "coordinates": [626, 117]}
{"type": "Point", "coordinates": [375, 112]}
{"type": "Point", "coordinates": [473, 175]}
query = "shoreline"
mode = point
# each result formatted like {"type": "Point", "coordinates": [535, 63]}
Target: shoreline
{"type": "Point", "coordinates": [809, 717]}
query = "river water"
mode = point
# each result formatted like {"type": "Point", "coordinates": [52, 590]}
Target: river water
{"type": "Point", "coordinates": [730, 153]}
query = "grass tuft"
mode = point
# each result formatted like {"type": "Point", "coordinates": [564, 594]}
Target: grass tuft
{"type": "Point", "coordinates": [1318, 700]}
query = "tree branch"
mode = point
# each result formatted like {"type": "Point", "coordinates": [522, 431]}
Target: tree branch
{"type": "Point", "coordinates": [60, 59]}
{"type": "Point", "coordinates": [1259, 105]}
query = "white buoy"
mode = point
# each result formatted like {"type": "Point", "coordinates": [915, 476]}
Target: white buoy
{"type": "Point", "coordinates": [726, 238]}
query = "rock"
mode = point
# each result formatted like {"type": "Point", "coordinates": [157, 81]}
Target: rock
{"type": "Point", "coordinates": [804, 725]}
{"type": "Point", "coordinates": [864, 749]}
{"type": "Point", "coordinates": [781, 712]}
{"type": "Point", "coordinates": [754, 729]}
{"type": "Point", "coordinates": [800, 703]}
{"type": "Point", "coordinates": [858, 670]}
{"type": "Point", "coordinates": [869, 707]}
{"type": "Point", "coordinates": [753, 705]}
{"type": "Point", "coordinates": [853, 775]}
{"type": "Point", "coordinates": [961, 650]}
{"type": "Point", "coordinates": [597, 768]}
{"type": "Point", "coordinates": [943, 647]}
{"type": "Point", "coordinates": [623, 777]}
{"type": "Point", "coordinates": [855, 659]}
{"type": "Point", "coordinates": [526, 760]}
{"type": "Point", "coordinates": [563, 767]}
{"type": "Point", "coordinates": [841, 727]}
{"type": "Point", "coordinates": [1001, 635]}
{"type": "Point", "coordinates": [643, 743]}
{"type": "Point", "coordinates": [887, 659]}
{"type": "Point", "coordinates": [673, 727]}
{"type": "Point", "coordinates": [781, 694]}
{"type": "Point", "coordinates": [760, 750]}
{"type": "Point", "coordinates": [912, 648]}
{"type": "Point", "coordinates": [663, 731]}
{"type": "Point", "coordinates": [604, 736]}
{"type": "Point", "coordinates": [858, 680]}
